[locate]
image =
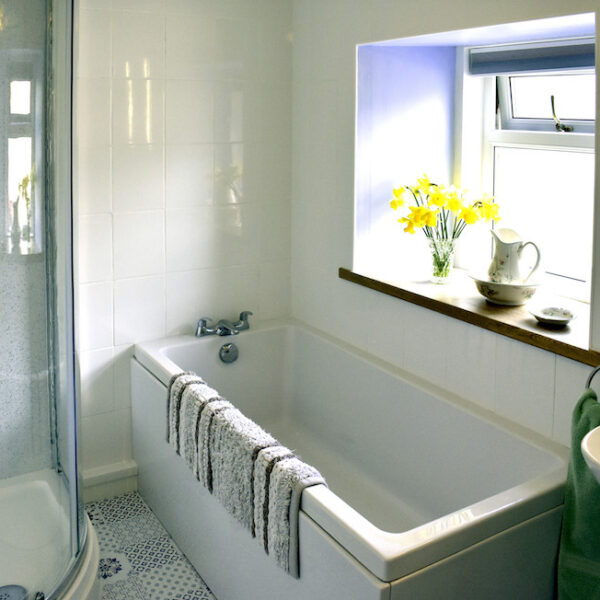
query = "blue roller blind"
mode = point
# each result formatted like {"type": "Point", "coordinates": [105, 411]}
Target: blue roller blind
{"type": "Point", "coordinates": [532, 57]}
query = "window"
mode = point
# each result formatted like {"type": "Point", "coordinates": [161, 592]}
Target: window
{"type": "Point", "coordinates": [537, 153]}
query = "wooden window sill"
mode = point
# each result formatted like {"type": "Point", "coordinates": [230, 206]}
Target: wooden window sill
{"type": "Point", "coordinates": [460, 300]}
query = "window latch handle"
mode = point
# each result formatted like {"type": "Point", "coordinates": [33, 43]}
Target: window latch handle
{"type": "Point", "coordinates": [559, 126]}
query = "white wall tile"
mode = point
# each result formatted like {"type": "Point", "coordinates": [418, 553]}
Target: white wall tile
{"type": "Point", "coordinates": [138, 111]}
{"type": "Point", "coordinates": [212, 236]}
{"type": "Point", "coordinates": [425, 339]}
{"type": "Point", "coordinates": [122, 375]}
{"type": "Point", "coordinates": [571, 377]}
{"type": "Point", "coordinates": [275, 231]}
{"type": "Point", "coordinates": [95, 316]}
{"type": "Point", "coordinates": [230, 174]}
{"type": "Point", "coordinates": [95, 248]}
{"type": "Point", "coordinates": [274, 289]}
{"type": "Point", "coordinates": [385, 337]}
{"type": "Point", "coordinates": [189, 112]}
{"type": "Point", "coordinates": [138, 177]}
{"type": "Point", "coordinates": [94, 56]}
{"type": "Point", "coordinates": [153, 6]}
{"type": "Point", "coordinates": [138, 44]}
{"type": "Point", "coordinates": [93, 112]}
{"type": "Point", "coordinates": [190, 46]}
{"type": "Point", "coordinates": [189, 175]}
{"type": "Point", "coordinates": [103, 438]}
{"type": "Point", "coordinates": [139, 309]}
{"type": "Point", "coordinates": [93, 176]}
{"type": "Point", "coordinates": [471, 362]}
{"type": "Point", "coordinates": [139, 243]}
{"type": "Point", "coordinates": [97, 381]}
{"type": "Point", "coordinates": [525, 384]}
{"type": "Point", "coordinates": [233, 119]}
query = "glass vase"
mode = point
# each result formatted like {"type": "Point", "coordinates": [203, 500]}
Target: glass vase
{"type": "Point", "coordinates": [442, 254]}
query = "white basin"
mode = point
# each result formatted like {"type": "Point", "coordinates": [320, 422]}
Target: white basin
{"type": "Point", "coordinates": [590, 448]}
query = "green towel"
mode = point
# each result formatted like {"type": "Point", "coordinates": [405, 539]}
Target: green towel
{"type": "Point", "coordinates": [579, 553]}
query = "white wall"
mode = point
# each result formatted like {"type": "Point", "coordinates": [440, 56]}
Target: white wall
{"type": "Point", "coordinates": [533, 387]}
{"type": "Point", "coordinates": [167, 93]}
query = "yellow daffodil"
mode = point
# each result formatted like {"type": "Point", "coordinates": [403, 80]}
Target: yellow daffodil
{"type": "Point", "coordinates": [438, 197]}
{"type": "Point", "coordinates": [440, 211]}
{"type": "Point", "coordinates": [454, 202]}
{"type": "Point", "coordinates": [487, 208]}
{"type": "Point", "coordinates": [398, 199]}
{"type": "Point", "coordinates": [423, 184]}
{"type": "Point", "coordinates": [410, 225]}
{"type": "Point", "coordinates": [469, 214]}
{"type": "Point", "coordinates": [423, 216]}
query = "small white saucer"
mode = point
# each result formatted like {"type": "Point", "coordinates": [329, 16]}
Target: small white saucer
{"type": "Point", "coordinates": [553, 315]}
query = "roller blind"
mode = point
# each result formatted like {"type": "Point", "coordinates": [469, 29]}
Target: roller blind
{"type": "Point", "coordinates": [532, 57]}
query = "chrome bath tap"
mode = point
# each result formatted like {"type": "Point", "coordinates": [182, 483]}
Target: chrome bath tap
{"type": "Point", "coordinates": [223, 326]}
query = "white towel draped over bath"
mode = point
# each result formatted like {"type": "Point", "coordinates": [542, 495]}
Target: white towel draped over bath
{"type": "Point", "coordinates": [256, 479]}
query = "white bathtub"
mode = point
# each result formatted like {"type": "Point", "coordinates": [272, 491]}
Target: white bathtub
{"type": "Point", "coordinates": [429, 497]}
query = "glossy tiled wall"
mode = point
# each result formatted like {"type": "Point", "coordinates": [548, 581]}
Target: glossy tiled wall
{"type": "Point", "coordinates": [183, 161]}
{"type": "Point", "coordinates": [530, 386]}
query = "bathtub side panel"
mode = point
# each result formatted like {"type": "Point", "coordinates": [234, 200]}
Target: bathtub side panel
{"type": "Point", "coordinates": [523, 559]}
{"type": "Point", "coordinates": [229, 560]}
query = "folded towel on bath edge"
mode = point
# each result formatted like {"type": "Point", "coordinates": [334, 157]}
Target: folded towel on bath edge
{"type": "Point", "coordinates": [257, 480]}
{"type": "Point", "coordinates": [194, 399]}
{"type": "Point", "coordinates": [177, 386]}
{"type": "Point", "coordinates": [279, 480]}
{"type": "Point", "coordinates": [232, 443]}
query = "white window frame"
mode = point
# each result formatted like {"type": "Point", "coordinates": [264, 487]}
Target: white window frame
{"type": "Point", "coordinates": [508, 121]}
{"type": "Point", "coordinates": [480, 153]}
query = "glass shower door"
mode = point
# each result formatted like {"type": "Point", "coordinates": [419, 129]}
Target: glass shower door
{"type": "Point", "coordinates": [41, 527]}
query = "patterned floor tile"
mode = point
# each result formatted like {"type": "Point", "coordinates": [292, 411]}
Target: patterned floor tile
{"type": "Point", "coordinates": [199, 594]}
{"type": "Point", "coordinates": [153, 553]}
{"type": "Point", "coordinates": [124, 590]}
{"type": "Point", "coordinates": [138, 558]}
{"type": "Point", "coordinates": [122, 507]}
{"type": "Point", "coordinates": [138, 529]}
{"type": "Point", "coordinates": [164, 583]}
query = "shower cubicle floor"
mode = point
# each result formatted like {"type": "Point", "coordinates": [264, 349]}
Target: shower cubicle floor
{"type": "Point", "coordinates": [34, 530]}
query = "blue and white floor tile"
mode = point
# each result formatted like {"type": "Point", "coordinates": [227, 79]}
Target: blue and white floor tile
{"type": "Point", "coordinates": [138, 558]}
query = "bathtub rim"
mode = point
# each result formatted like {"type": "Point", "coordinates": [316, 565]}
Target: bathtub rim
{"type": "Point", "coordinates": [391, 555]}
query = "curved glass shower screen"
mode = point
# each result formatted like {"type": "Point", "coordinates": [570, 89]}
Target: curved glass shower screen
{"type": "Point", "coordinates": [41, 526]}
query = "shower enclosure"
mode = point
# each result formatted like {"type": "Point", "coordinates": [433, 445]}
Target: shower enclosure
{"type": "Point", "coordinates": [42, 526]}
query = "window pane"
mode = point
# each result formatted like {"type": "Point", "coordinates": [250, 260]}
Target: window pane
{"type": "Point", "coordinates": [547, 197]}
{"type": "Point", "coordinates": [20, 97]}
{"type": "Point", "coordinates": [574, 96]}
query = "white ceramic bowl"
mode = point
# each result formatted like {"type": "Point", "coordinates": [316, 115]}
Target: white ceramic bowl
{"type": "Point", "coordinates": [505, 294]}
{"type": "Point", "coordinates": [590, 448]}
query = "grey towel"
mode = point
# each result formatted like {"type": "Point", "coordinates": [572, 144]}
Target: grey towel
{"type": "Point", "coordinates": [177, 386]}
{"type": "Point", "coordinates": [280, 479]}
{"type": "Point", "coordinates": [193, 400]}
{"type": "Point", "coordinates": [234, 443]}
{"type": "Point", "coordinates": [265, 461]}
{"type": "Point", "coordinates": [204, 473]}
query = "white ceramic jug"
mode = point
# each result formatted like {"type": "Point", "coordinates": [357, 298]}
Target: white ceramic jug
{"type": "Point", "coordinates": [506, 264]}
